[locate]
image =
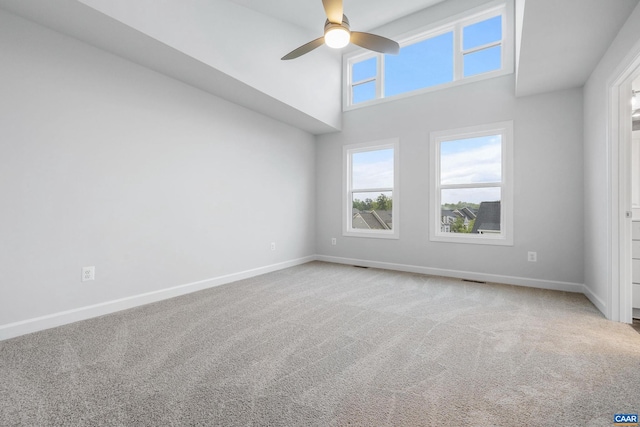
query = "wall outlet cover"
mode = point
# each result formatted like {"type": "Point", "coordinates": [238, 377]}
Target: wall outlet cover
{"type": "Point", "coordinates": [88, 273]}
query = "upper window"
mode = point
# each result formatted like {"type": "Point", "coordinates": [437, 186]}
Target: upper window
{"type": "Point", "coordinates": [471, 191]}
{"type": "Point", "coordinates": [371, 198]}
{"type": "Point", "coordinates": [467, 49]}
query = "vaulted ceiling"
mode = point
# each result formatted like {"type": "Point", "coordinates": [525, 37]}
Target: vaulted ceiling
{"type": "Point", "coordinates": [232, 48]}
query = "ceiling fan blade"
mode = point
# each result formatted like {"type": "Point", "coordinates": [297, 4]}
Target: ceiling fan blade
{"type": "Point", "coordinates": [333, 9]}
{"type": "Point", "coordinates": [376, 43]}
{"type": "Point", "coordinates": [305, 48]}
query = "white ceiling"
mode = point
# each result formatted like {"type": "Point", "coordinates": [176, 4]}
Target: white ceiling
{"type": "Point", "coordinates": [561, 41]}
{"type": "Point", "coordinates": [364, 15]}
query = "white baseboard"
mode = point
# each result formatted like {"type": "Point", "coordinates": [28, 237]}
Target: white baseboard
{"type": "Point", "coordinates": [483, 277]}
{"type": "Point", "coordinates": [595, 300]}
{"type": "Point", "coordinates": [62, 318]}
{"type": "Point", "coordinates": [12, 330]}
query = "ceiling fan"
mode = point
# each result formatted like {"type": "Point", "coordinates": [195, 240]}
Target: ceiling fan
{"type": "Point", "coordinates": [337, 34]}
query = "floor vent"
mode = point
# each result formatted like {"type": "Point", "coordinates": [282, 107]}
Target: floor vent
{"type": "Point", "coordinates": [474, 281]}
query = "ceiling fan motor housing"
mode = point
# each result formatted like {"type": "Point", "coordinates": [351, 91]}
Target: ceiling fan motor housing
{"type": "Point", "coordinates": [344, 24]}
{"type": "Point", "coordinates": [337, 35]}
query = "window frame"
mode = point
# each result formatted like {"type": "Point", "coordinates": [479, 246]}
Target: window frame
{"type": "Point", "coordinates": [505, 237]}
{"type": "Point", "coordinates": [348, 190]}
{"type": "Point", "coordinates": [455, 24]}
{"type": "Point", "coordinates": [379, 76]}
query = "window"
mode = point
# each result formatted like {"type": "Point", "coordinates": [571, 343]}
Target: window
{"type": "Point", "coordinates": [371, 197]}
{"type": "Point", "coordinates": [482, 46]}
{"type": "Point", "coordinates": [466, 49]}
{"type": "Point", "coordinates": [365, 77]}
{"type": "Point", "coordinates": [471, 185]}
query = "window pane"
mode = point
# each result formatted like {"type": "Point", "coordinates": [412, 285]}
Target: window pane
{"type": "Point", "coordinates": [364, 70]}
{"type": "Point", "coordinates": [364, 92]}
{"type": "Point", "coordinates": [423, 64]}
{"type": "Point", "coordinates": [482, 33]}
{"type": "Point", "coordinates": [470, 210]}
{"type": "Point", "coordinates": [482, 61]}
{"type": "Point", "coordinates": [372, 211]}
{"type": "Point", "coordinates": [372, 169]}
{"type": "Point", "coordinates": [471, 160]}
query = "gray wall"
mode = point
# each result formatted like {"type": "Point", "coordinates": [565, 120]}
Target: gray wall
{"type": "Point", "coordinates": [548, 182]}
{"type": "Point", "coordinates": [596, 157]}
{"type": "Point", "coordinates": [157, 184]}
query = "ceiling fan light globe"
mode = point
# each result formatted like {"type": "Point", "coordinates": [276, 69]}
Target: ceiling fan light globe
{"type": "Point", "coordinates": [337, 37]}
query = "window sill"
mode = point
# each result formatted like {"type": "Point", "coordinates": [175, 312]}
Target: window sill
{"type": "Point", "coordinates": [371, 234]}
{"type": "Point", "coordinates": [474, 240]}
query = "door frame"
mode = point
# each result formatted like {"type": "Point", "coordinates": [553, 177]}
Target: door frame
{"type": "Point", "coordinates": [619, 298]}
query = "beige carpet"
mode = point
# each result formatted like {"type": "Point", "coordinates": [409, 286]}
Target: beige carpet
{"type": "Point", "coordinates": [330, 345]}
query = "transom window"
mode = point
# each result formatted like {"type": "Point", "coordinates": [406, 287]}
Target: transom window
{"type": "Point", "coordinates": [467, 49]}
{"type": "Point", "coordinates": [371, 200]}
{"type": "Point", "coordinates": [471, 191]}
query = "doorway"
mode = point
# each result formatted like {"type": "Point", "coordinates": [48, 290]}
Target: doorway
{"type": "Point", "coordinates": [625, 192]}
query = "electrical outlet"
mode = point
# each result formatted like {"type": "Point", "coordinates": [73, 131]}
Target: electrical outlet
{"type": "Point", "coordinates": [88, 273]}
{"type": "Point", "coordinates": [532, 256]}
{"type": "Point", "coordinates": [333, 241]}
{"type": "Point", "coordinates": [273, 246]}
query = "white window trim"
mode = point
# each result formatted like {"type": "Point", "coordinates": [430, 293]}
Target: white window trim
{"type": "Point", "coordinates": [505, 237]}
{"type": "Point", "coordinates": [454, 24]}
{"type": "Point", "coordinates": [348, 151]}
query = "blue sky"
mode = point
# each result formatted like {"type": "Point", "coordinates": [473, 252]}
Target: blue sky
{"type": "Point", "coordinates": [430, 62]}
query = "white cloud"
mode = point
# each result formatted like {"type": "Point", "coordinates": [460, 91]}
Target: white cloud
{"type": "Point", "coordinates": [481, 164]}
{"type": "Point", "coordinates": [373, 175]}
